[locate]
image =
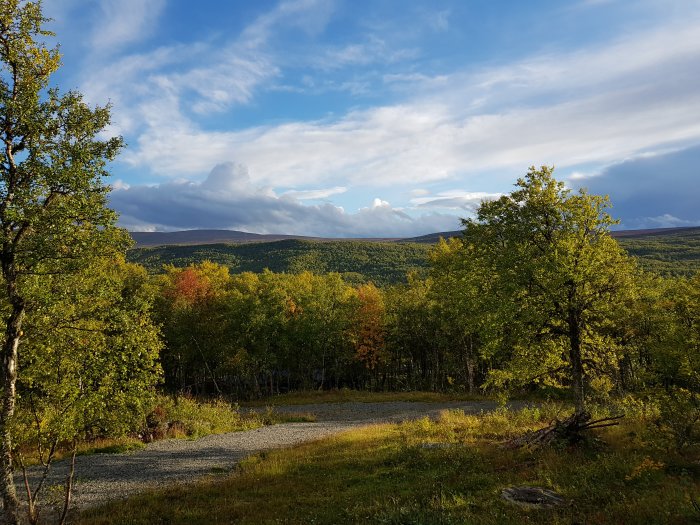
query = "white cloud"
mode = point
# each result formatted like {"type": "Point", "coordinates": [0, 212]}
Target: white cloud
{"type": "Point", "coordinates": [124, 21]}
{"type": "Point", "coordinates": [668, 221]}
{"type": "Point", "coordinates": [455, 200]}
{"type": "Point", "coordinates": [171, 86]}
{"type": "Point", "coordinates": [596, 106]}
{"type": "Point", "coordinates": [307, 195]}
{"type": "Point", "coordinates": [311, 16]}
{"type": "Point", "coordinates": [120, 185]}
{"type": "Point", "coordinates": [370, 51]}
{"type": "Point", "coordinates": [579, 175]}
{"type": "Point", "coordinates": [439, 21]}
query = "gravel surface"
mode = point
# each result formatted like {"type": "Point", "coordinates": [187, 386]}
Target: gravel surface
{"type": "Point", "coordinates": [101, 477]}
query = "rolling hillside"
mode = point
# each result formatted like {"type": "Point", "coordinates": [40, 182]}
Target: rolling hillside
{"type": "Point", "coordinates": [381, 262]}
{"type": "Point", "coordinates": [384, 261]}
{"type": "Point", "coordinates": [670, 251]}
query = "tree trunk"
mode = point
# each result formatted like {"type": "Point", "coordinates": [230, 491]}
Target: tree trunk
{"type": "Point", "coordinates": [576, 363]}
{"type": "Point", "coordinates": [471, 364]}
{"type": "Point", "coordinates": [9, 380]}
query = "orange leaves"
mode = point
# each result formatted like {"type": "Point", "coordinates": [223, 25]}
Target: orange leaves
{"type": "Point", "coordinates": [195, 284]}
{"type": "Point", "coordinates": [293, 309]}
{"type": "Point", "coordinates": [189, 287]}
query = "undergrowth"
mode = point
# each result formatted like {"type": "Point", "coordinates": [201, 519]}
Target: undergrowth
{"type": "Point", "coordinates": [176, 418]}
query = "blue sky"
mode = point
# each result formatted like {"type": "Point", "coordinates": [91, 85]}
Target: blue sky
{"type": "Point", "coordinates": [387, 117]}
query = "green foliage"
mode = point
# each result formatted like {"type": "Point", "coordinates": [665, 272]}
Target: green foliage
{"type": "Point", "coordinates": [254, 333]}
{"type": "Point", "coordinates": [553, 279]}
{"type": "Point", "coordinates": [56, 237]}
{"type": "Point", "coordinates": [89, 357]}
{"type": "Point", "coordinates": [673, 363]}
{"type": "Point", "coordinates": [456, 289]}
{"type": "Point", "coordinates": [678, 423]}
{"type": "Point", "coordinates": [183, 416]}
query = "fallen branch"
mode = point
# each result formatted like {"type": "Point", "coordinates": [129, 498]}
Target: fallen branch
{"type": "Point", "coordinates": [568, 430]}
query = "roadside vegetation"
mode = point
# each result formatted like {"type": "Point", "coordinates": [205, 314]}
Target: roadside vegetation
{"type": "Point", "coordinates": [174, 417]}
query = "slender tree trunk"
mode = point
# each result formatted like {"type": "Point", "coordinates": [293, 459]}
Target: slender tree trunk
{"type": "Point", "coordinates": [69, 484]}
{"type": "Point", "coordinates": [471, 364]}
{"type": "Point", "coordinates": [9, 379]}
{"type": "Point", "coordinates": [576, 362]}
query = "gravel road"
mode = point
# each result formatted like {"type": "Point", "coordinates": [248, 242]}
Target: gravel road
{"type": "Point", "coordinates": [101, 477]}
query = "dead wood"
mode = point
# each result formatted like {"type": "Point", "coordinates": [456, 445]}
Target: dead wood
{"type": "Point", "coordinates": [568, 431]}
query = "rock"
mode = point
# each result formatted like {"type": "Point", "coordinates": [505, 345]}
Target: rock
{"type": "Point", "coordinates": [532, 497]}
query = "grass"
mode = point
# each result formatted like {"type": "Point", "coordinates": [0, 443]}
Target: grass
{"type": "Point", "coordinates": [449, 471]}
{"type": "Point", "coordinates": [344, 395]}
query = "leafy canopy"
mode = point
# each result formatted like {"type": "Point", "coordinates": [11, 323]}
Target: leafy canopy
{"type": "Point", "coordinates": [554, 278]}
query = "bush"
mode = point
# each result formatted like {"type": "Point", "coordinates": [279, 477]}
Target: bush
{"type": "Point", "coordinates": [186, 417]}
{"type": "Point", "coordinates": [678, 422]}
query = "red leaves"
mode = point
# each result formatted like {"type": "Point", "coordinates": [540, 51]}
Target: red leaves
{"type": "Point", "coordinates": [188, 287]}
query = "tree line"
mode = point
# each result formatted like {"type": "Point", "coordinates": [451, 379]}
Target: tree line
{"type": "Point", "coordinates": [536, 295]}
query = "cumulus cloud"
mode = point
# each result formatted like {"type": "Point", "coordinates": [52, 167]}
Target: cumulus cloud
{"type": "Point", "coordinates": [652, 191]}
{"type": "Point", "coordinates": [227, 199]}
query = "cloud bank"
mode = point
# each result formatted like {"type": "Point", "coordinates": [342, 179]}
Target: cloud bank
{"type": "Point", "coordinates": [227, 199]}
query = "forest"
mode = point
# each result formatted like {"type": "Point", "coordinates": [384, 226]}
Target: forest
{"type": "Point", "coordinates": [476, 320]}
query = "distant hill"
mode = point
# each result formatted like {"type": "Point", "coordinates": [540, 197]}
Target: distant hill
{"type": "Point", "coordinates": [691, 230]}
{"type": "Point", "coordinates": [199, 237]}
{"type": "Point", "coordinates": [668, 251]}
{"type": "Point", "coordinates": [194, 237]}
{"type": "Point", "coordinates": [358, 261]}
{"type": "Point", "coordinates": [432, 238]}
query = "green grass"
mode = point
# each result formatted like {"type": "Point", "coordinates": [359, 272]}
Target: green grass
{"type": "Point", "coordinates": [344, 395]}
{"type": "Point", "coordinates": [391, 474]}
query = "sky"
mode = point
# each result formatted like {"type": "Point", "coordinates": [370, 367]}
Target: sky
{"type": "Point", "coordinates": [386, 118]}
